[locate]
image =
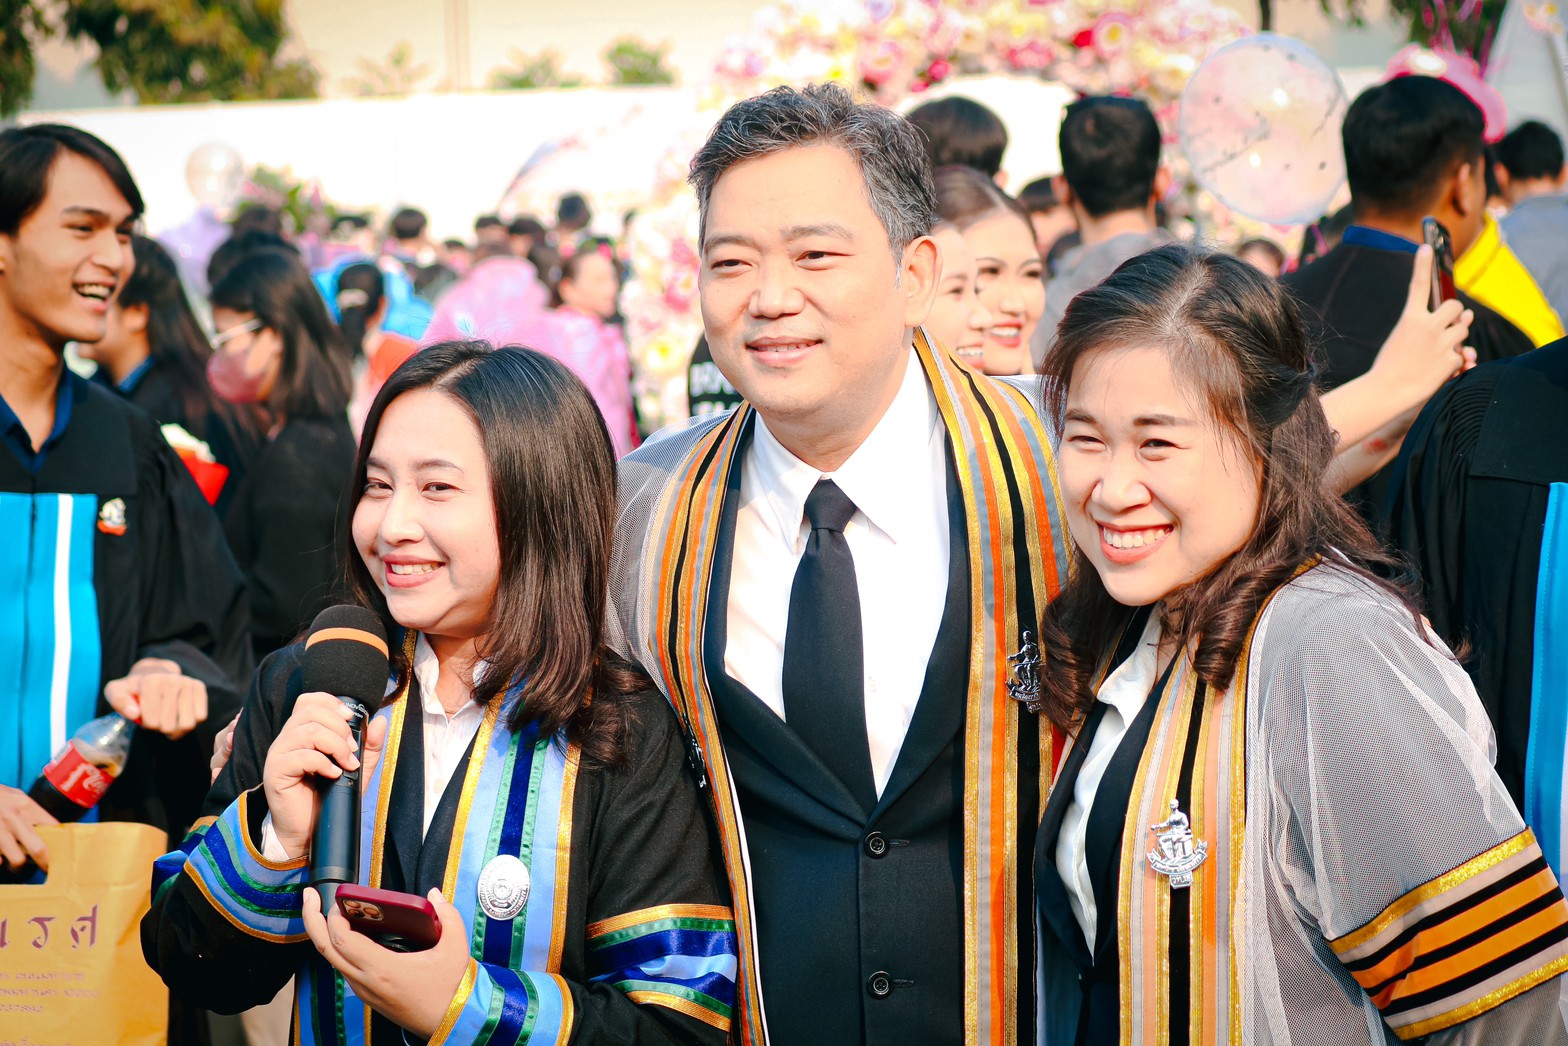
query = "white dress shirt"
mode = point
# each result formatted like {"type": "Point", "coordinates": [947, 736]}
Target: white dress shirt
{"type": "Point", "coordinates": [1123, 693]}
{"type": "Point", "coordinates": [446, 737]}
{"type": "Point", "coordinates": [898, 537]}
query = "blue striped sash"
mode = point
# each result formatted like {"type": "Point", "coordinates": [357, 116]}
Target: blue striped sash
{"type": "Point", "coordinates": [50, 652]}
{"type": "Point", "coordinates": [1545, 764]}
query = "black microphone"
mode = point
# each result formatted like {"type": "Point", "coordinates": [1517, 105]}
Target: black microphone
{"type": "Point", "coordinates": [346, 656]}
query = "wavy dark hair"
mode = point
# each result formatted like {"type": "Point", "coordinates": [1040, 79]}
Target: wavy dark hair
{"type": "Point", "coordinates": [553, 484]}
{"type": "Point", "coordinates": [1236, 338]}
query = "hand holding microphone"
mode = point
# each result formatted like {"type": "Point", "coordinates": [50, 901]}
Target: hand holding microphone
{"type": "Point", "coordinates": [314, 767]}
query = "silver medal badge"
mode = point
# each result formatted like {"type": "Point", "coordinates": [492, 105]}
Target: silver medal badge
{"type": "Point", "coordinates": [1024, 686]}
{"type": "Point", "coordinates": [1179, 854]}
{"type": "Point", "coordinates": [503, 887]}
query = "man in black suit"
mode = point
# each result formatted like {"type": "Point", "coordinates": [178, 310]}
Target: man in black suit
{"type": "Point", "coordinates": [829, 581]}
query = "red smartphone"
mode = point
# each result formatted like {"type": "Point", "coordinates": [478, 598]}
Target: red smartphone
{"type": "Point", "coordinates": [403, 922]}
{"type": "Point", "coordinates": [1436, 237]}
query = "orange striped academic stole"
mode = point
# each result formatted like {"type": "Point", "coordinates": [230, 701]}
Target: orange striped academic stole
{"type": "Point", "coordinates": [1464, 943]}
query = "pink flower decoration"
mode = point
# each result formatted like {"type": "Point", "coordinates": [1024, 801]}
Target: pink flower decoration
{"type": "Point", "coordinates": [879, 64]}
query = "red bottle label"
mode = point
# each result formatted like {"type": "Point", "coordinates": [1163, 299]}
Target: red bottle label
{"type": "Point", "coordinates": [78, 780]}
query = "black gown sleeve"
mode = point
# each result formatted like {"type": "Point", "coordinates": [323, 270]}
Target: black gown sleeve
{"type": "Point", "coordinates": [203, 950]}
{"type": "Point", "coordinates": [1425, 511]}
{"type": "Point", "coordinates": [192, 610]}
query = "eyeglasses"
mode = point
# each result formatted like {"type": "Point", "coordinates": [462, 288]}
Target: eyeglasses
{"type": "Point", "coordinates": [222, 338]}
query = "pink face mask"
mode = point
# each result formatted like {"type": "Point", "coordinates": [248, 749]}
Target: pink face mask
{"type": "Point", "coordinates": [226, 374]}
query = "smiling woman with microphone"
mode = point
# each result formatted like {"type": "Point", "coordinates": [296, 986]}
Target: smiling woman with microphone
{"type": "Point", "coordinates": [515, 832]}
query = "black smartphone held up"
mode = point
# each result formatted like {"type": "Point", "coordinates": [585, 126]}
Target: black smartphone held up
{"type": "Point", "coordinates": [1436, 237]}
{"type": "Point", "coordinates": [403, 922]}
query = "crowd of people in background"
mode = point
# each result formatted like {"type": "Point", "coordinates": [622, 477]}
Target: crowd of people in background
{"type": "Point", "coordinates": [1363, 426]}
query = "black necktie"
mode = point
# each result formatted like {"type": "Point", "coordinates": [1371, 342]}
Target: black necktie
{"type": "Point", "coordinates": [824, 660]}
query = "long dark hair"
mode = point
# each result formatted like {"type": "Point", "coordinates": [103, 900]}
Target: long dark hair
{"type": "Point", "coordinates": [274, 285]}
{"type": "Point", "coordinates": [1235, 337]}
{"type": "Point", "coordinates": [552, 477]}
{"type": "Point", "coordinates": [361, 288]}
{"type": "Point", "coordinates": [175, 340]}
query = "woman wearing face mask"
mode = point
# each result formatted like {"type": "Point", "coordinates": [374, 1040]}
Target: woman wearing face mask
{"type": "Point", "coordinates": [155, 355]}
{"type": "Point", "coordinates": [958, 321]}
{"type": "Point", "coordinates": [1008, 267]}
{"type": "Point", "coordinates": [513, 749]}
{"type": "Point", "coordinates": [1278, 816]}
{"type": "Point", "coordinates": [585, 299]}
{"type": "Point", "coordinates": [277, 350]}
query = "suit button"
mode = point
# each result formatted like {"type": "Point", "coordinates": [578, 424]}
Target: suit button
{"type": "Point", "coordinates": [876, 844]}
{"type": "Point", "coordinates": [880, 985]}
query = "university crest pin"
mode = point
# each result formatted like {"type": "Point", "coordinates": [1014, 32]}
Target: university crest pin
{"type": "Point", "coordinates": [111, 517]}
{"type": "Point", "coordinates": [503, 887]}
{"type": "Point", "coordinates": [1024, 686]}
{"type": "Point", "coordinates": [1179, 854]}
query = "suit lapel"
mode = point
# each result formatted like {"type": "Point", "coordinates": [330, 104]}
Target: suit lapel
{"type": "Point", "coordinates": [1051, 892]}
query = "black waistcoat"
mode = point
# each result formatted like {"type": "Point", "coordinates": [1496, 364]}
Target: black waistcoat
{"type": "Point", "coordinates": [859, 912]}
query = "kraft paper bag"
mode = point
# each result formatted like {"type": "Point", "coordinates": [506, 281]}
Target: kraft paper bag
{"type": "Point", "coordinates": [71, 966]}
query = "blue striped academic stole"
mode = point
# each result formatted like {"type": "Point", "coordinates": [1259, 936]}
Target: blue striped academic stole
{"type": "Point", "coordinates": [50, 653]}
{"type": "Point", "coordinates": [1544, 764]}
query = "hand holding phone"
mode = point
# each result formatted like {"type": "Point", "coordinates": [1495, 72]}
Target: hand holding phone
{"type": "Point", "coordinates": [1436, 237]}
{"type": "Point", "coordinates": [403, 922]}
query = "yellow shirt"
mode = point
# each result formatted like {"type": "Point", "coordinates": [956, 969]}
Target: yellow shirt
{"type": "Point", "coordinates": [1492, 274]}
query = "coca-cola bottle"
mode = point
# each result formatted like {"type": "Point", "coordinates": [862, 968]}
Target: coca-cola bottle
{"type": "Point", "coordinates": [82, 771]}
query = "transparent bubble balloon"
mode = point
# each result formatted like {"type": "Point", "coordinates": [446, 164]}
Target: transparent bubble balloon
{"type": "Point", "coordinates": [1259, 125]}
{"type": "Point", "coordinates": [215, 174]}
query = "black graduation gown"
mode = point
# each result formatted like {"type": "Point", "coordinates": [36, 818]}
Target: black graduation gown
{"type": "Point", "coordinates": [232, 443]}
{"type": "Point", "coordinates": [163, 584]}
{"type": "Point", "coordinates": [639, 840]}
{"type": "Point", "coordinates": [1352, 298]}
{"type": "Point", "coordinates": [1468, 508]}
{"type": "Point", "coordinates": [284, 526]}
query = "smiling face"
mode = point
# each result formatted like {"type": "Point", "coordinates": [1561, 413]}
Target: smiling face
{"type": "Point", "coordinates": [425, 524]}
{"type": "Point", "coordinates": [1009, 269]}
{"type": "Point", "coordinates": [957, 319]}
{"type": "Point", "coordinates": [1157, 493]}
{"type": "Point", "coordinates": [69, 256]}
{"type": "Point", "coordinates": [806, 312]}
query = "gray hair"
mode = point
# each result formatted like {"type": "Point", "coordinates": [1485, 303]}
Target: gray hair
{"type": "Point", "coordinates": [892, 159]}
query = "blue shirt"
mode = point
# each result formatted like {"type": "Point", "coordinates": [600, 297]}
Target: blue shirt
{"type": "Point", "coordinates": [1364, 236]}
{"type": "Point", "coordinates": [15, 435]}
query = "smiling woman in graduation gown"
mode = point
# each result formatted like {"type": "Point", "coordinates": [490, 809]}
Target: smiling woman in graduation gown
{"type": "Point", "coordinates": [1279, 821]}
{"type": "Point", "coordinates": [507, 732]}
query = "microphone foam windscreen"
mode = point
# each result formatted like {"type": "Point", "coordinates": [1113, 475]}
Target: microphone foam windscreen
{"type": "Point", "coordinates": [346, 655]}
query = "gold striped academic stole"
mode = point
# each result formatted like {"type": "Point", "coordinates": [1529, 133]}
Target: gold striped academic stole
{"type": "Point", "coordinates": [1464, 943]}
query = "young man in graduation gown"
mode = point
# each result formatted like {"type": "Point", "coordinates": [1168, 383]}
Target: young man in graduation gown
{"type": "Point", "coordinates": [828, 583]}
{"type": "Point", "coordinates": [1413, 148]}
{"type": "Point", "coordinates": [1480, 505]}
{"type": "Point", "coordinates": [117, 589]}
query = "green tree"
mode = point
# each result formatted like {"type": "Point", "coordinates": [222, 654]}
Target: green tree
{"type": "Point", "coordinates": [191, 50]}
{"type": "Point", "coordinates": [528, 72]}
{"type": "Point", "coordinates": [1462, 26]}
{"type": "Point", "coordinates": [22, 27]}
{"type": "Point", "coordinates": [398, 75]}
{"type": "Point", "coordinates": [633, 63]}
